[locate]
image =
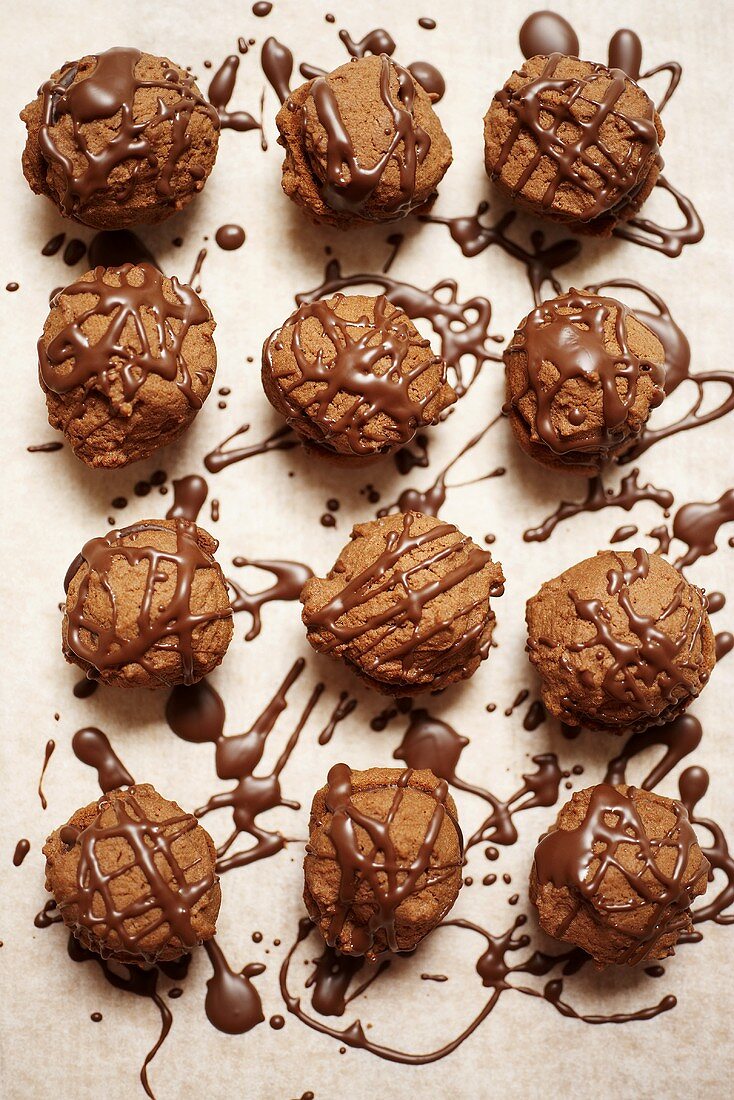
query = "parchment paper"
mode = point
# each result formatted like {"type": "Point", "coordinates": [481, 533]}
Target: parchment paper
{"type": "Point", "coordinates": [52, 503]}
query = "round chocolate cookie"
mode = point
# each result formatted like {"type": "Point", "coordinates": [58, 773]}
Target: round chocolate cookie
{"type": "Point", "coordinates": [134, 878]}
{"type": "Point", "coordinates": [622, 641]}
{"type": "Point", "coordinates": [407, 604]}
{"type": "Point", "coordinates": [354, 377]}
{"type": "Point", "coordinates": [362, 144]}
{"type": "Point", "coordinates": [573, 141]}
{"type": "Point", "coordinates": [384, 859]}
{"type": "Point", "coordinates": [126, 360]}
{"type": "Point", "coordinates": [147, 606]}
{"type": "Point", "coordinates": [617, 873]}
{"type": "Point", "coordinates": [118, 139]}
{"type": "Point", "coordinates": [583, 374]}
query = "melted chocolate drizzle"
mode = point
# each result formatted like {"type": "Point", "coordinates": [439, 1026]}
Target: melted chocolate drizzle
{"type": "Point", "coordinates": [407, 604]}
{"type": "Point", "coordinates": [462, 327]}
{"type": "Point", "coordinates": [381, 867]}
{"type": "Point", "coordinates": [570, 333]}
{"type": "Point", "coordinates": [197, 714]}
{"type": "Point", "coordinates": [290, 577]}
{"type": "Point", "coordinates": [409, 145]}
{"type": "Point", "coordinates": [221, 89]}
{"type": "Point", "coordinates": [629, 493]}
{"type": "Point", "coordinates": [281, 440]}
{"type": "Point", "coordinates": [149, 842]}
{"type": "Point", "coordinates": [604, 178]}
{"type": "Point", "coordinates": [48, 753]}
{"type": "Point", "coordinates": [111, 88]}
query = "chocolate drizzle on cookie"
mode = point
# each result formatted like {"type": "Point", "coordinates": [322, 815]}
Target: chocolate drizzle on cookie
{"type": "Point", "coordinates": [170, 628]}
{"type": "Point", "coordinates": [655, 657]}
{"type": "Point", "coordinates": [392, 572]}
{"type": "Point", "coordinates": [368, 365]}
{"type": "Point", "coordinates": [349, 184]}
{"type": "Point", "coordinates": [565, 116]}
{"type": "Point", "coordinates": [570, 333]}
{"type": "Point", "coordinates": [110, 89]}
{"type": "Point", "coordinates": [580, 860]}
{"type": "Point", "coordinates": [116, 364]}
{"type": "Point", "coordinates": [167, 898]}
{"type": "Point", "coordinates": [390, 877]}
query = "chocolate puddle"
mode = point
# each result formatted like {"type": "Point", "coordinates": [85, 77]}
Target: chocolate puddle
{"type": "Point", "coordinates": [232, 1002]}
{"type": "Point", "coordinates": [189, 495]}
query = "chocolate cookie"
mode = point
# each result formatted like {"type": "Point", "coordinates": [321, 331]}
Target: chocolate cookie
{"type": "Point", "coordinates": [147, 606]}
{"type": "Point", "coordinates": [120, 138]}
{"type": "Point", "coordinates": [583, 374]}
{"type": "Point", "coordinates": [407, 604]}
{"type": "Point", "coordinates": [573, 141]}
{"type": "Point", "coordinates": [354, 378]}
{"type": "Point", "coordinates": [362, 144]}
{"type": "Point", "coordinates": [384, 858]}
{"type": "Point", "coordinates": [617, 873]}
{"type": "Point", "coordinates": [134, 878]}
{"type": "Point", "coordinates": [621, 641]}
{"type": "Point", "coordinates": [126, 360]}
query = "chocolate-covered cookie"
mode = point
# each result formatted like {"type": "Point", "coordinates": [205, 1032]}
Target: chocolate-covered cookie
{"type": "Point", "coordinates": [119, 138]}
{"type": "Point", "coordinates": [354, 378]}
{"type": "Point", "coordinates": [383, 861]}
{"type": "Point", "coordinates": [362, 144]}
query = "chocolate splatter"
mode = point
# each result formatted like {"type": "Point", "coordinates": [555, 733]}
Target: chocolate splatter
{"type": "Point", "coordinates": [290, 577]}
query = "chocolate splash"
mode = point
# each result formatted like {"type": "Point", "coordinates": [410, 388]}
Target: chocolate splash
{"type": "Point", "coordinates": [541, 260]}
{"type": "Point", "coordinates": [281, 440]}
{"type": "Point", "coordinates": [430, 742]}
{"type": "Point", "coordinates": [629, 493]}
{"type": "Point", "coordinates": [342, 709]}
{"type": "Point", "coordinates": [110, 88]}
{"type": "Point", "coordinates": [232, 1002]}
{"type": "Point", "coordinates": [693, 785]}
{"type": "Point", "coordinates": [462, 327]}
{"type": "Point", "coordinates": [197, 713]}
{"type": "Point", "coordinates": [93, 748]}
{"type": "Point", "coordinates": [670, 240]}
{"type": "Point", "coordinates": [697, 525]}
{"type": "Point", "coordinates": [277, 64]}
{"type": "Point", "coordinates": [48, 753]}
{"type": "Point", "coordinates": [429, 78]}
{"type": "Point", "coordinates": [22, 848]}
{"type": "Point", "coordinates": [221, 89]}
{"type": "Point", "coordinates": [189, 496]}
{"type": "Point", "coordinates": [290, 577]}
{"type": "Point", "coordinates": [546, 32]}
{"type": "Point", "coordinates": [680, 738]}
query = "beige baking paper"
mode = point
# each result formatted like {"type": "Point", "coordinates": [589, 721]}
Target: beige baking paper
{"type": "Point", "coordinates": [52, 504]}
